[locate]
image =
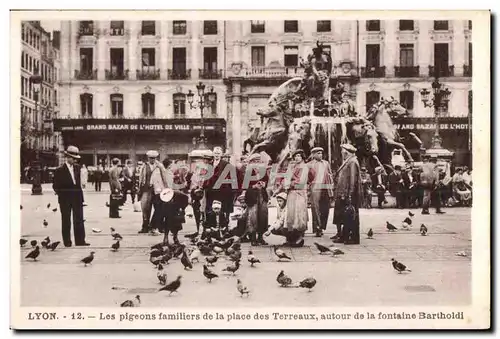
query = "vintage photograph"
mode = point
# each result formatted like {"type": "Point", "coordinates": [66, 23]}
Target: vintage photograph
{"type": "Point", "coordinates": [227, 164]}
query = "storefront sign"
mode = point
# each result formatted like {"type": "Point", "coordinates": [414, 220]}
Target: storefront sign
{"type": "Point", "coordinates": [445, 123]}
{"type": "Point", "coordinates": [431, 126]}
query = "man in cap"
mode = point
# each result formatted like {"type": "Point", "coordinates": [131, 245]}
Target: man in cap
{"type": "Point", "coordinates": [321, 190]}
{"type": "Point", "coordinates": [216, 191]}
{"type": "Point", "coordinates": [115, 186]}
{"type": "Point", "coordinates": [379, 184]}
{"type": "Point", "coordinates": [348, 197]}
{"type": "Point", "coordinates": [396, 186]}
{"type": "Point", "coordinates": [69, 192]}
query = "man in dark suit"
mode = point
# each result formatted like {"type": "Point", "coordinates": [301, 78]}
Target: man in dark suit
{"type": "Point", "coordinates": [410, 186]}
{"type": "Point", "coordinates": [216, 223]}
{"type": "Point", "coordinates": [379, 185]}
{"type": "Point", "coordinates": [115, 186]}
{"type": "Point", "coordinates": [68, 188]}
{"type": "Point", "coordinates": [215, 191]}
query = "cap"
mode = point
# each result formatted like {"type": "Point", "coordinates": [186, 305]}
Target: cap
{"type": "Point", "coordinates": [281, 195]}
{"type": "Point", "coordinates": [317, 149]}
{"type": "Point", "coordinates": [152, 154]}
{"type": "Point", "coordinates": [349, 147]}
{"type": "Point", "coordinates": [298, 151]}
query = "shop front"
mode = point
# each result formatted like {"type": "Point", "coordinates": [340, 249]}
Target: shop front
{"type": "Point", "coordinates": [104, 139]}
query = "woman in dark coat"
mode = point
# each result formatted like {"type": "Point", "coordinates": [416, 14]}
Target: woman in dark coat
{"type": "Point", "coordinates": [175, 215]}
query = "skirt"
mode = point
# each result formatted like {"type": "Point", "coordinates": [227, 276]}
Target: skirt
{"type": "Point", "coordinates": [297, 215]}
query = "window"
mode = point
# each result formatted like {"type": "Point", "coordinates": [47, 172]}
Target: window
{"type": "Point", "coordinates": [406, 25]}
{"type": "Point", "coordinates": [149, 27]}
{"type": "Point", "coordinates": [441, 59]}
{"type": "Point", "coordinates": [406, 99]}
{"type": "Point", "coordinates": [469, 102]}
{"type": "Point", "coordinates": [258, 56]}
{"type": "Point", "coordinates": [257, 26]}
{"type": "Point", "coordinates": [210, 27]}
{"type": "Point", "coordinates": [86, 27]}
{"type": "Point", "coordinates": [86, 104]}
{"type": "Point", "coordinates": [22, 85]}
{"type": "Point", "coordinates": [373, 25]}
{"type": "Point", "coordinates": [210, 59]}
{"type": "Point", "coordinates": [291, 26]}
{"type": "Point", "coordinates": [117, 27]}
{"type": "Point", "coordinates": [470, 25]}
{"type": "Point", "coordinates": [22, 33]}
{"type": "Point", "coordinates": [372, 98]}
{"type": "Point", "coordinates": [324, 26]}
{"type": "Point", "coordinates": [179, 61]}
{"type": "Point", "coordinates": [116, 59]}
{"type": "Point", "coordinates": [372, 56]}
{"type": "Point", "coordinates": [148, 104]}
{"type": "Point", "coordinates": [22, 59]}
{"type": "Point", "coordinates": [440, 25]}
{"type": "Point", "coordinates": [179, 104]}
{"type": "Point", "coordinates": [291, 56]}
{"type": "Point", "coordinates": [470, 53]}
{"type": "Point", "coordinates": [116, 104]}
{"type": "Point", "coordinates": [148, 59]}
{"type": "Point", "coordinates": [86, 61]}
{"type": "Point", "coordinates": [26, 61]}
{"type": "Point", "coordinates": [406, 55]}
{"type": "Point", "coordinates": [56, 102]}
{"type": "Point", "coordinates": [211, 108]}
{"type": "Point", "coordinates": [180, 27]}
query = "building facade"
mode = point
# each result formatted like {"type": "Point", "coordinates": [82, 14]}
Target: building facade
{"type": "Point", "coordinates": [39, 57]}
{"type": "Point", "coordinates": [140, 72]}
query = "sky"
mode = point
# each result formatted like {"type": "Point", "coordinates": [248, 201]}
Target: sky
{"type": "Point", "coordinates": [51, 25]}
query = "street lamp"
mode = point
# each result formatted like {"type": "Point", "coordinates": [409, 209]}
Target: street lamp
{"type": "Point", "coordinates": [201, 104]}
{"type": "Point", "coordinates": [36, 188]}
{"type": "Point", "coordinates": [441, 97]}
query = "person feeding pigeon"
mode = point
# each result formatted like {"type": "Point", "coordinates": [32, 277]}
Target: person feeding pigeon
{"type": "Point", "coordinates": [215, 224]}
{"type": "Point", "coordinates": [175, 203]}
{"type": "Point", "coordinates": [279, 226]}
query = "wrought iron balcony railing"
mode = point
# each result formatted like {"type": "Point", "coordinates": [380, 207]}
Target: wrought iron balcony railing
{"type": "Point", "coordinates": [441, 71]}
{"type": "Point", "coordinates": [86, 74]}
{"type": "Point", "coordinates": [179, 74]}
{"type": "Point", "coordinates": [210, 74]}
{"type": "Point", "coordinates": [407, 71]}
{"type": "Point", "coordinates": [148, 74]}
{"type": "Point", "coordinates": [467, 70]}
{"type": "Point", "coordinates": [274, 72]}
{"type": "Point", "coordinates": [373, 72]}
{"type": "Point", "coordinates": [116, 75]}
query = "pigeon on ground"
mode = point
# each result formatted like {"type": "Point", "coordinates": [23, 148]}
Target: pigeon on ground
{"type": "Point", "coordinates": [423, 230]}
{"type": "Point", "coordinates": [155, 260]}
{"type": "Point", "coordinates": [337, 251]}
{"type": "Point", "coordinates": [115, 246]}
{"type": "Point", "coordinates": [242, 289]}
{"type": "Point", "coordinates": [252, 259]}
{"type": "Point", "coordinates": [230, 251]}
{"type": "Point", "coordinates": [48, 205]}
{"type": "Point", "coordinates": [411, 214]}
{"type": "Point", "coordinates": [54, 210]}
{"type": "Point", "coordinates": [211, 259]}
{"type": "Point", "coordinates": [195, 255]}
{"type": "Point", "coordinates": [189, 215]}
{"type": "Point", "coordinates": [162, 276]}
{"type": "Point", "coordinates": [400, 267]}
{"type": "Point", "coordinates": [88, 259]}
{"type": "Point", "coordinates": [370, 234]}
{"type": "Point", "coordinates": [232, 268]}
{"type": "Point", "coordinates": [156, 253]}
{"type": "Point", "coordinates": [116, 236]}
{"type": "Point", "coordinates": [236, 256]}
{"type": "Point", "coordinates": [280, 254]}
{"type": "Point", "coordinates": [390, 227]}
{"type": "Point", "coordinates": [22, 242]}
{"type": "Point", "coordinates": [217, 250]}
{"type": "Point", "coordinates": [283, 279]}
{"type": "Point", "coordinates": [205, 249]}
{"type": "Point", "coordinates": [158, 246]}
{"type": "Point", "coordinates": [44, 243]}
{"type": "Point", "coordinates": [34, 243]}
{"type": "Point", "coordinates": [173, 286]}
{"type": "Point", "coordinates": [185, 261]}
{"type": "Point", "coordinates": [308, 283]}
{"type": "Point", "coordinates": [406, 223]}
{"type": "Point", "coordinates": [322, 249]}
{"type": "Point", "coordinates": [208, 273]}
{"type": "Point", "coordinates": [47, 239]}
{"type": "Point", "coordinates": [178, 250]}
{"type": "Point", "coordinates": [34, 253]}
{"type": "Point", "coordinates": [461, 254]}
{"type": "Point", "coordinates": [53, 246]}
{"type": "Point", "coordinates": [45, 223]}
{"type": "Point", "coordinates": [132, 303]}
{"type": "Point", "coordinates": [107, 204]}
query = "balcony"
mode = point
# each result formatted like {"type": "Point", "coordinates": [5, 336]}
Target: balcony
{"type": "Point", "coordinates": [273, 72]}
{"type": "Point", "coordinates": [441, 71]}
{"type": "Point", "coordinates": [153, 74]}
{"type": "Point", "coordinates": [373, 72]}
{"type": "Point", "coordinates": [86, 74]}
{"type": "Point", "coordinates": [116, 75]}
{"type": "Point", "coordinates": [407, 71]}
{"type": "Point", "coordinates": [467, 70]}
{"type": "Point", "coordinates": [179, 74]}
{"type": "Point", "coordinates": [210, 74]}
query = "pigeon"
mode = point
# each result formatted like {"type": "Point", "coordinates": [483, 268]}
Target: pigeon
{"type": "Point", "coordinates": [211, 259]}
{"type": "Point", "coordinates": [48, 205]}
{"type": "Point", "coordinates": [162, 276]}
{"type": "Point", "coordinates": [252, 259]}
{"type": "Point", "coordinates": [283, 279]}
{"type": "Point", "coordinates": [115, 246]}
{"type": "Point", "coordinates": [22, 242]}
{"type": "Point", "coordinates": [158, 246]}
{"type": "Point", "coordinates": [88, 259]}
{"type": "Point", "coordinates": [411, 214]}
{"type": "Point", "coordinates": [336, 251]}
{"type": "Point", "coordinates": [280, 254]}
{"type": "Point", "coordinates": [205, 249]}
{"type": "Point", "coordinates": [173, 286]}
{"type": "Point", "coordinates": [208, 273]}
{"type": "Point", "coordinates": [230, 251]}
{"type": "Point", "coordinates": [132, 303]}
{"type": "Point", "coordinates": [308, 283]}
{"type": "Point", "coordinates": [370, 234]}
{"type": "Point", "coordinates": [155, 260]}
{"type": "Point", "coordinates": [178, 250]}
{"type": "Point", "coordinates": [242, 289]}
{"type": "Point", "coordinates": [34, 243]}
{"type": "Point", "coordinates": [195, 255]}
{"type": "Point", "coordinates": [232, 268]}
{"type": "Point", "coordinates": [45, 223]}
{"type": "Point", "coordinates": [116, 236]}
{"type": "Point", "coordinates": [47, 240]}
{"type": "Point", "coordinates": [107, 204]}
{"type": "Point", "coordinates": [156, 253]}
{"type": "Point", "coordinates": [236, 256]}
{"type": "Point", "coordinates": [96, 230]}
{"type": "Point", "coordinates": [406, 223]}
{"type": "Point", "coordinates": [34, 253]}
{"type": "Point", "coordinates": [21, 206]}
{"type": "Point", "coordinates": [53, 246]}
{"type": "Point", "coordinates": [185, 261]}
{"type": "Point", "coordinates": [217, 250]}
{"type": "Point", "coordinates": [461, 254]}
{"type": "Point", "coordinates": [322, 249]}
{"type": "Point", "coordinates": [399, 266]}
{"type": "Point", "coordinates": [44, 243]}
{"type": "Point", "coordinates": [54, 210]}
{"type": "Point", "coordinates": [390, 227]}
{"type": "Point", "coordinates": [423, 230]}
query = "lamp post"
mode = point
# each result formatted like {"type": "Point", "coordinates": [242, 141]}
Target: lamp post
{"type": "Point", "coordinates": [201, 104]}
{"type": "Point", "coordinates": [441, 97]}
{"type": "Point", "coordinates": [36, 188]}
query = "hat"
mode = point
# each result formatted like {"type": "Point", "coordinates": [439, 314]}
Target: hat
{"type": "Point", "coordinates": [281, 195]}
{"type": "Point", "coordinates": [254, 157]}
{"type": "Point", "coordinates": [140, 162]}
{"type": "Point", "coordinates": [349, 147]}
{"type": "Point", "coordinates": [152, 154]}
{"type": "Point", "coordinates": [216, 203]}
{"type": "Point", "coordinates": [397, 167]}
{"type": "Point", "coordinates": [217, 149]}
{"type": "Point", "coordinates": [317, 149]}
{"type": "Point", "coordinates": [298, 151]}
{"type": "Point", "coordinates": [115, 161]}
{"type": "Point", "coordinates": [72, 151]}
{"type": "Point", "coordinates": [167, 194]}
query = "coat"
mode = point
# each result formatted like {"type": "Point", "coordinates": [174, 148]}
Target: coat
{"type": "Point", "coordinates": [348, 183]}
{"type": "Point", "coordinates": [115, 185]}
{"type": "Point", "coordinates": [63, 184]}
{"type": "Point", "coordinates": [323, 178]}
{"type": "Point", "coordinates": [429, 175]}
{"type": "Point", "coordinates": [224, 192]}
{"type": "Point", "coordinates": [157, 178]}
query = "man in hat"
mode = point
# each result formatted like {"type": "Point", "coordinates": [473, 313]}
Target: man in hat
{"type": "Point", "coordinates": [69, 192]}
{"type": "Point", "coordinates": [214, 190]}
{"type": "Point", "coordinates": [409, 186]}
{"type": "Point", "coordinates": [115, 186]}
{"type": "Point", "coordinates": [379, 184]}
{"type": "Point", "coordinates": [396, 186]}
{"type": "Point", "coordinates": [348, 197]}
{"type": "Point", "coordinates": [430, 182]}
{"type": "Point", "coordinates": [321, 190]}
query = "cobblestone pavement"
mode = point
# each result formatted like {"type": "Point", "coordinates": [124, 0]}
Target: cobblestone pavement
{"type": "Point", "coordinates": [363, 276]}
